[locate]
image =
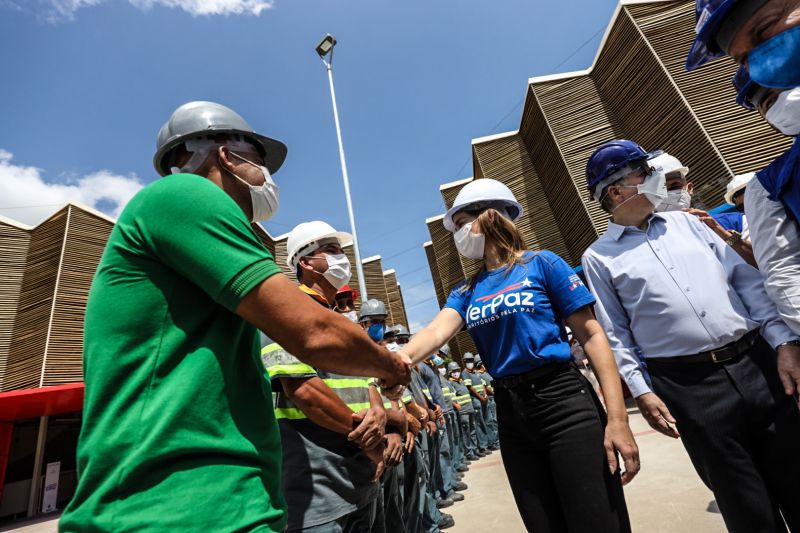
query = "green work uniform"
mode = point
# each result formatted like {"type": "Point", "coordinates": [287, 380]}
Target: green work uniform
{"type": "Point", "coordinates": [178, 428]}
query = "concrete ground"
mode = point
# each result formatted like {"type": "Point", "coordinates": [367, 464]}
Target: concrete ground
{"type": "Point", "coordinates": [666, 496]}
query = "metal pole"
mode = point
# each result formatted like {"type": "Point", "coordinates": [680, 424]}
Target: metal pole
{"type": "Point", "coordinates": [361, 283]}
{"type": "Point", "coordinates": [33, 498]}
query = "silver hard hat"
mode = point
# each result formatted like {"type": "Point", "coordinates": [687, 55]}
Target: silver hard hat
{"type": "Point", "coordinates": [478, 360]}
{"type": "Point", "coordinates": [468, 356]}
{"type": "Point", "coordinates": [372, 309]}
{"type": "Point", "coordinates": [196, 119]}
{"type": "Point", "coordinates": [452, 365]}
{"type": "Point", "coordinates": [400, 329]}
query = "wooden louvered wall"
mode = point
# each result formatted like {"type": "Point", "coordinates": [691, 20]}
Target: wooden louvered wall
{"type": "Point", "coordinates": [563, 122]}
{"type": "Point", "coordinates": [85, 239]}
{"type": "Point", "coordinates": [26, 356]}
{"type": "Point", "coordinates": [507, 160]}
{"type": "Point", "coordinates": [14, 243]}
{"type": "Point", "coordinates": [745, 141]}
{"type": "Point", "coordinates": [395, 299]}
{"type": "Point", "coordinates": [376, 285]}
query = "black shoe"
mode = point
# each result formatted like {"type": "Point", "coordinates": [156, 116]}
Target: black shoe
{"type": "Point", "coordinates": [446, 521]}
{"type": "Point", "coordinates": [481, 453]}
{"type": "Point", "coordinates": [494, 447]}
{"type": "Point", "coordinates": [459, 485]}
{"type": "Point", "coordinates": [461, 469]}
{"type": "Point", "coordinates": [456, 497]}
{"type": "Point", "coordinates": [444, 502]}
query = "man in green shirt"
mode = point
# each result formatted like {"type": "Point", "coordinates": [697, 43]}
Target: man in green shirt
{"type": "Point", "coordinates": [178, 427]}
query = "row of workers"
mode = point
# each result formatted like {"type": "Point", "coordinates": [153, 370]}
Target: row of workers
{"type": "Point", "coordinates": [354, 460]}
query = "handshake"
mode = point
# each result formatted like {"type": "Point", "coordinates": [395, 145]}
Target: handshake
{"type": "Point", "coordinates": [394, 386]}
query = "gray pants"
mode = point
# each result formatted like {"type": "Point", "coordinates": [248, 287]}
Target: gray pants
{"type": "Point", "coordinates": [468, 434]}
{"type": "Point", "coordinates": [481, 431]}
{"type": "Point", "coordinates": [355, 522]}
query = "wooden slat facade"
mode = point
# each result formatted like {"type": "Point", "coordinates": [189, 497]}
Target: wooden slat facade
{"type": "Point", "coordinates": [397, 309]}
{"type": "Point", "coordinates": [49, 273]}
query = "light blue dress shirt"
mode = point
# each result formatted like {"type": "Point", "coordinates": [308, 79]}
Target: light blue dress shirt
{"type": "Point", "coordinates": [675, 289]}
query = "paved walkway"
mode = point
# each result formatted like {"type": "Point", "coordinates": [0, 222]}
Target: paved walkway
{"type": "Point", "coordinates": [666, 496]}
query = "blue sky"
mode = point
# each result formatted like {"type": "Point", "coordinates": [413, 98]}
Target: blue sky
{"type": "Point", "coordinates": [88, 83]}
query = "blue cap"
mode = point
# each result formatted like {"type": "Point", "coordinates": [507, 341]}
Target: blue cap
{"type": "Point", "coordinates": [611, 157]}
{"type": "Point", "coordinates": [438, 361]}
{"type": "Point", "coordinates": [745, 88]}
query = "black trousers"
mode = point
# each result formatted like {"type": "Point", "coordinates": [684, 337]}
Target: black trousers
{"type": "Point", "coordinates": [742, 433]}
{"type": "Point", "coordinates": [551, 439]}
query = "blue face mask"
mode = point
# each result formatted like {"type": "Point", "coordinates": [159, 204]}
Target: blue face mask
{"type": "Point", "coordinates": [775, 63]}
{"type": "Point", "coordinates": [376, 331]}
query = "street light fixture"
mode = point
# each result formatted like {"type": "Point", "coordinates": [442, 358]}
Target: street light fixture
{"type": "Point", "coordinates": [325, 48]}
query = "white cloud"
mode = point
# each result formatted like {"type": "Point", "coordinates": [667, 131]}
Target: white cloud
{"type": "Point", "coordinates": [209, 7]}
{"type": "Point", "coordinates": [54, 11]}
{"type": "Point", "coordinates": [27, 197]}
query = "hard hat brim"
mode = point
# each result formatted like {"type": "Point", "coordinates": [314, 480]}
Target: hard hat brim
{"type": "Point", "coordinates": [450, 226]}
{"type": "Point", "coordinates": [704, 48]}
{"type": "Point", "coordinates": [274, 151]}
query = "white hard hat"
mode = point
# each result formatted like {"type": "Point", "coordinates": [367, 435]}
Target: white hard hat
{"type": "Point", "coordinates": [483, 193]}
{"type": "Point", "coordinates": [738, 183]}
{"type": "Point", "coordinates": [310, 236]}
{"type": "Point", "coordinates": [669, 163]}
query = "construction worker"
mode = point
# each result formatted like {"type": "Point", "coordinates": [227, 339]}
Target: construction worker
{"type": "Point", "coordinates": [316, 409]}
{"type": "Point", "coordinates": [457, 457]}
{"type": "Point", "coordinates": [658, 279]}
{"type": "Point", "coordinates": [491, 407]}
{"type": "Point", "coordinates": [442, 468]}
{"type": "Point", "coordinates": [514, 310]}
{"type": "Point", "coordinates": [345, 303]}
{"type": "Point", "coordinates": [420, 511]}
{"type": "Point", "coordinates": [763, 37]}
{"type": "Point", "coordinates": [465, 412]}
{"type": "Point", "coordinates": [680, 196]}
{"type": "Point", "coordinates": [178, 428]}
{"type": "Point", "coordinates": [472, 380]}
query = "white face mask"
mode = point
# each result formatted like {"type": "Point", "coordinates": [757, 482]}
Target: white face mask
{"type": "Point", "coordinates": [470, 245]}
{"type": "Point", "coordinates": [352, 315]}
{"type": "Point", "coordinates": [264, 197]}
{"type": "Point", "coordinates": [785, 112]}
{"type": "Point", "coordinates": [654, 188]}
{"type": "Point", "coordinates": [442, 371]}
{"type": "Point", "coordinates": [675, 201]}
{"type": "Point", "coordinates": [455, 374]}
{"type": "Point", "coordinates": [338, 273]}
{"type": "Point", "coordinates": [392, 347]}
{"type": "Point", "coordinates": [469, 366]}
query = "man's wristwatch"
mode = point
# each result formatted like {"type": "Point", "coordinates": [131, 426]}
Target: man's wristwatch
{"type": "Point", "coordinates": [734, 239]}
{"type": "Point", "coordinates": [788, 343]}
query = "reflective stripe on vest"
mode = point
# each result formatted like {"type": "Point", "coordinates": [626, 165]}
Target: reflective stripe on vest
{"type": "Point", "coordinates": [354, 392]}
{"type": "Point", "coordinates": [427, 393]}
{"type": "Point", "coordinates": [463, 400]}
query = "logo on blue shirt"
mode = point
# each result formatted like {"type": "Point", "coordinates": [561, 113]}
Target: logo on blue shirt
{"type": "Point", "coordinates": [513, 299]}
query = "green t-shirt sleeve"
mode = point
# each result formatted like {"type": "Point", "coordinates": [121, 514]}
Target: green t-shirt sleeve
{"type": "Point", "coordinates": [196, 229]}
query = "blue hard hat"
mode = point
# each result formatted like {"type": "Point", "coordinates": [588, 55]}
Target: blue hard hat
{"type": "Point", "coordinates": [710, 16]}
{"type": "Point", "coordinates": [708, 13]}
{"type": "Point", "coordinates": [745, 88]}
{"type": "Point", "coordinates": [611, 157]}
{"type": "Point", "coordinates": [437, 361]}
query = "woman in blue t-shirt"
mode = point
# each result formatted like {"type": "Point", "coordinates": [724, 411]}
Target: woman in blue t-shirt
{"type": "Point", "coordinates": [558, 445]}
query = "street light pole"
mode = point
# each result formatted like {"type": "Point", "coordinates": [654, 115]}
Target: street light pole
{"type": "Point", "coordinates": [325, 47]}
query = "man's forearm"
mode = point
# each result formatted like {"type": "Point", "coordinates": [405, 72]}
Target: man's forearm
{"type": "Point", "coordinates": [396, 419]}
{"type": "Point", "coordinates": [319, 403]}
{"type": "Point", "coordinates": [315, 335]}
